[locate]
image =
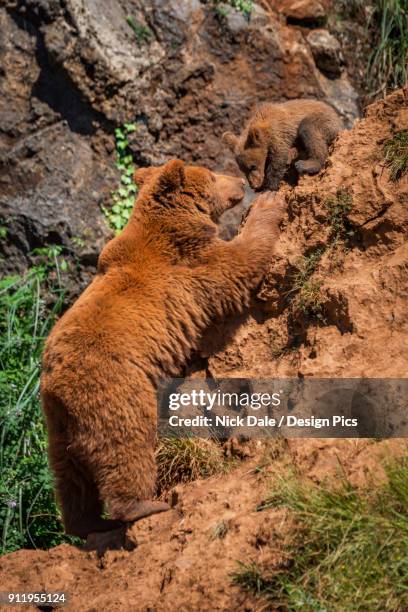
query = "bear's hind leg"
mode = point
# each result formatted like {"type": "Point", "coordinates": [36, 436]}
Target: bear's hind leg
{"type": "Point", "coordinates": [315, 141]}
{"type": "Point", "coordinates": [128, 487]}
{"type": "Point", "coordinates": [78, 496]}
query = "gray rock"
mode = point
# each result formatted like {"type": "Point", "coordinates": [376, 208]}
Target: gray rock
{"type": "Point", "coordinates": [52, 186]}
{"type": "Point", "coordinates": [71, 71]}
{"type": "Point", "coordinates": [326, 52]}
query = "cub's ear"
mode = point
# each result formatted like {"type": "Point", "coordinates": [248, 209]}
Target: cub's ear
{"type": "Point", "coordinates": [171, 177]}
{"type": "Point", "coordinates": [254, 136]}
{"type": "Point", "coordinates": [230, 139]}
{"type": "Point", "coordinates": [143, 175]}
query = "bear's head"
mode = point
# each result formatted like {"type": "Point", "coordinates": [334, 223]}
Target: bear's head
{"type": "Point", "coordinates": [188, 191]}
{"type": "Point", "coordinates": [251, 151]}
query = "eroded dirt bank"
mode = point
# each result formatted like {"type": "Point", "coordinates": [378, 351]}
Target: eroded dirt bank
{"type": "Point", "coordinates": [179, 562]}
{"type": "Point", "coordinates": [335, 301]}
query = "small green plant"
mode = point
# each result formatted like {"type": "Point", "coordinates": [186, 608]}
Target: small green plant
{"type": "Point", "coordinates": [142, 32]}
{"type": "Point", "coordinates": [306, 266]}
{"type": "Point", "coordinates": [123, 198]}
{"type": "Point", "coordinates": [308, 299]}
{"type": "Point", "coordinates": [28, 514]}
{"type": "Point", "coordinates": [388, 62]}
{"type": "Point", "coordinates": [348, 550]}
{"type": "Point", "coordinates": [396, 155]}
{"type": "Point", "coordinates": [186, 459]}
{"type": "Point", "coordinates": [338, 208]}
{"type": "Point", "coordinates": [243, 6]}
{"type": "Point", "coordinates": [306, 286]}
{"type": "Point", "coordinates": [78, 242]}
{"type": "Point", "coordinates": [3, 231]}
{"type": "Point", "coordinates": [52, 256]}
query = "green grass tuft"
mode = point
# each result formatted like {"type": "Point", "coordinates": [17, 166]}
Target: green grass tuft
{"type": "Point", "coordinates": [349, 550]}
{"type": "Point", "coordinates": [388, 62]}
{"type": "Point", "coordinates": [142, 32]}
{"type": "Point", "coordinates": [338, 208]}
{"type": "Point", "coordinates": [396, 155]}
{"type": "Point", "coordinates": [28, 514]}
{"type": "Point", "coordinates": [250, 578]}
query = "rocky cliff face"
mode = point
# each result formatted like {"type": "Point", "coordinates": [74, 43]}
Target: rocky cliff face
{"type": "Point", "coordinates": [182, 71]}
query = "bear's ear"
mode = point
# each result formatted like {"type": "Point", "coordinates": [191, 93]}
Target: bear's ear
{"type": "Point", "coordinates": [143, 175]}
{"type": "Point", "coordinates": [230, 139]}
{"type": "Point", "coordinates": [254, 136]}
{"type": "Point", "coordinates": [171, 178]}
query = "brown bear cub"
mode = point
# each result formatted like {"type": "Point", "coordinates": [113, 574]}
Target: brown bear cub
{"type": "Point", "coordinates": [265, 148]}
{"type": "Point", "coordinates": [159, 285]}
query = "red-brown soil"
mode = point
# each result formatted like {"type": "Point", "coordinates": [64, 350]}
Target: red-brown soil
{"type": "Point", "coordinates": [177, 563]}
{"type": "Point", "coordinates": [362, 325]}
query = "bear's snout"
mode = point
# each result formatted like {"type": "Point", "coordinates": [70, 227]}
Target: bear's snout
{"type": "Point", "coordinates": [255, 180]}
{"type": "Point", "coordinates": [230, 188]}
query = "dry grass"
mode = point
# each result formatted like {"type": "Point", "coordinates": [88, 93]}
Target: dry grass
{"type": "Point", "coordinates": [181, 460]}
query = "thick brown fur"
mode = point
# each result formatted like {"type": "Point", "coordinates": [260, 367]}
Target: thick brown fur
{"type": "Point", "coordinates": [264, 149]}
{"type": "Point", "coordinates": [159, 285]}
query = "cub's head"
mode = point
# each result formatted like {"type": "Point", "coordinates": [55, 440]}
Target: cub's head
{"type": "Point", "coordinates": [250, 152]}
{"type": "Point", "coordinates": [187, 191]}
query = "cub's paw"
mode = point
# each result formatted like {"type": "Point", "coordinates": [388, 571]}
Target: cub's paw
{"type": "Point", "coordinates": [308, 166]}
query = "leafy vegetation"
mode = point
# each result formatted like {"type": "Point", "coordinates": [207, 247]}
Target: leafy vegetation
{"type": "Point", "coordinates": [310, 300]}
{"type": "Point", "coordinates": [123, 198]}
{"type": "Point", "coordinates": [307, 289]}
{"type": "Point", "coordinates": [338, 208]}
{"type": "Point", "coordinates": [396, 155]}
{"type": "Point", "coordinates": [349, 550]}
{"type": "Point", "coordinates": [305, 285]}
{"type": "Point", "coordinates": [388, 62]}
{"type": "Point", "coordinates": [243, 6]}
{"type": "Point", "coordinates": [306, 266]}
{"type": "Point", "coordinates": [28, 514]}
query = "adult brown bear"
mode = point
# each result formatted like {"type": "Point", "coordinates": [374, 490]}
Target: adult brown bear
{"type": "Point", "coordinates": [159, 284]}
